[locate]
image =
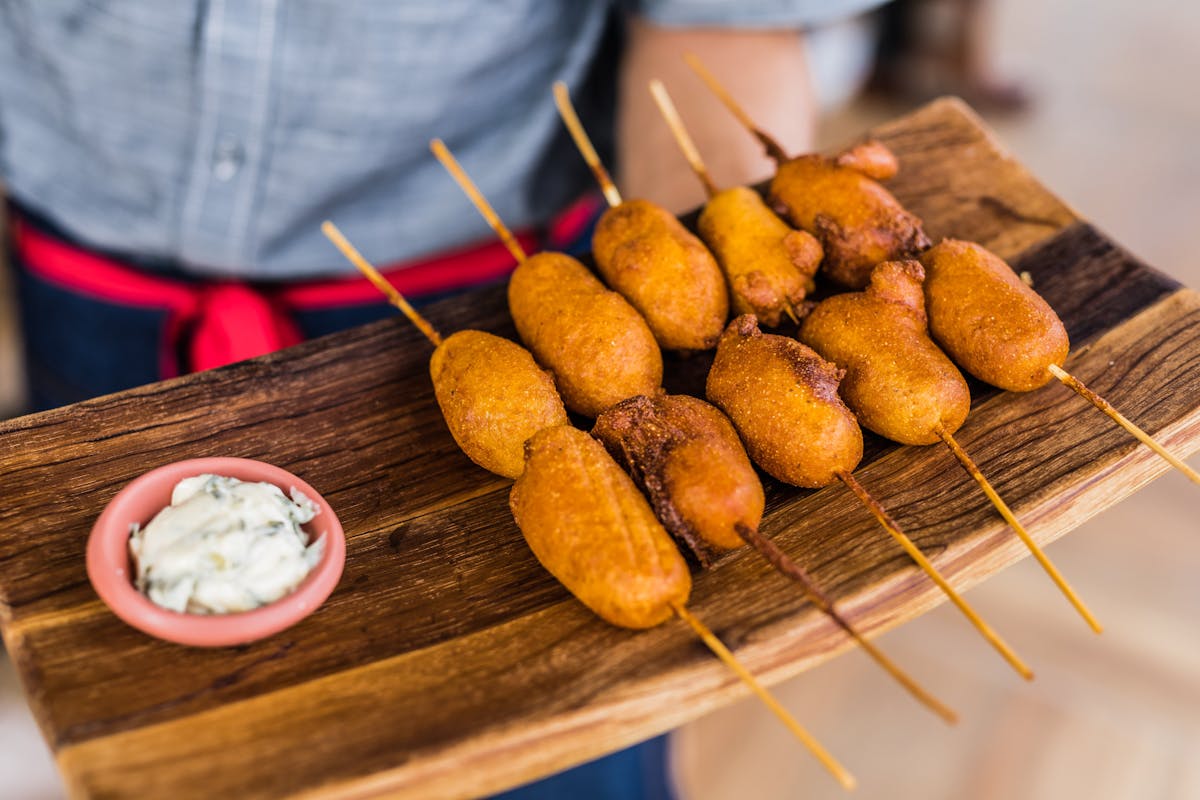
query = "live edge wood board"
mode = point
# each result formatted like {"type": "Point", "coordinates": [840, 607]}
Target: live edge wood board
{"type": "Point", "coordinates": [448, 663]}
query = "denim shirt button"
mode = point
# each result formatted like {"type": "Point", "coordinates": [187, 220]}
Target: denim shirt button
{"type": "Point", "coordinates": [228, 157]}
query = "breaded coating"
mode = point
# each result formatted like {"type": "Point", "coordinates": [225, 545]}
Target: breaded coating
{"type": "Point", "coordinates": [872, 158]}
{"type": "Point", "coordinates": [592, 529]}
{"type": "Point", "coordinates": [858, 222]}
{"type": "Point", "coordinates": [596, 344]}
{"type": "Point", "coordinates": [688, 459]}
{"type": "Point", "coordinates": [992, 324]}
{"type": "Point", "coordinates": [668, 274]}
{"type": "Point", "coordinates": [768, 264]}
{"type": "Point", "coordinates": [493, 398]}
{"type": "Point", "coordinates": [782, 398]}
{"type": "Point", "coordinates": [898, 383]}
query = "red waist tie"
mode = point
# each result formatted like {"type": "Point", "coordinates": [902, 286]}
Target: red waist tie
{"type": "Point", "coordinates": [227, 321]}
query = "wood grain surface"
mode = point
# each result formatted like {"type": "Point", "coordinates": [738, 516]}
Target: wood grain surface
{"type": "Point", "coordinates": [448, 663]}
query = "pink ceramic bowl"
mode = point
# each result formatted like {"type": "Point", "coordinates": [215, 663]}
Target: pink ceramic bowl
{"type": "Point", "coordinates": [111, 571]}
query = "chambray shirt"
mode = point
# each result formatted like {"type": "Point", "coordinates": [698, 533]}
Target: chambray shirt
{"type": "Point", "coordinates": [215, 135]}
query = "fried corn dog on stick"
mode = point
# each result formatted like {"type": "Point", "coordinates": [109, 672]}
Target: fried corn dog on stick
{"type": "Point", "coordinates": [597, 345]}
{"type": "Point", "coordinates": [590, 527]}
{"type": "Point", "coordinates": [900, 385]}
{"type": "Point", "coordinates": [993, 325]}
{"type": "Point", "coordinates": [768, 265]}
{"type": "Point", "coordinates": [491, 393]}
{"type": "Point", "coordinates": [782, 398]}
{"type": "Point", "coordinates": [897, 382]}
{"type": "Point", "coordinates": [1004, 333]}
{"type": "Point", "coordinates": [839, 200]}
{"type": "Point", "coordinates": [858, 222]}
{"type": "Point", "coordinates": [686, 457]}
{"type": "Point", "coordinates": [645, 253]}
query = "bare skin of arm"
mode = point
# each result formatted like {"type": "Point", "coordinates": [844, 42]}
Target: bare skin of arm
{"type": "Point", "coordinates": [765, 70]}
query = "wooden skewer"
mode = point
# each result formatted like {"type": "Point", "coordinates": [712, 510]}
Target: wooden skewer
{"type": "Point", "coordinates": [481, 204]}
{"type": "Point", "coordinates": [915, 553]}
{"type": "Point", "coordinates": [973, 470]}
{"type": "Point", "coordinates": [381, 283]}
{"type": "Point", "coordinates": [562, 98]}
{"type": "Point", "coordinates": [722, 652]}
{"type": "Point", "coordinates": [682, 138]}
{"type": "Point", "coordinates": [774, 151]}
{"type": "Point", "coordinates": [791, 569]}
{"type": "Point", "coordinates": [1119, 418]}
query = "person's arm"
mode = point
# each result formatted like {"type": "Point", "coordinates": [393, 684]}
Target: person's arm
{"type": "Point", "coordinates": [764, 70]}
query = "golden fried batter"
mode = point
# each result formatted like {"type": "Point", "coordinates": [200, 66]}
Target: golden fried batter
{"type": "Point", "coordinates": [667, 273]}
{"type": "Point", "coordinates": [898, 383]}
{"type": "Point", "coordinates": [782, 398]}
{"type": "Point", "coordinates": [768, 264]}
{"type": "Point", "coordinates": [597, 345]}
{"type": "Point", "coordinates": [872, 158]}
{"type": "Point", "coordinates": [858, 222]}
{"type": "Point", "coordinates": [592, 529]}
{"type": "Point", "coordinates": [992, 324]}
{"type": "Point", "coordinates": [493, 397]}
{"type": "Point", "coordinates": [687, 458]}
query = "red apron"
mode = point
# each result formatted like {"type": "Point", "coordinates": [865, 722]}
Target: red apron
{"type": "Point", "coordinates": [227, 320]}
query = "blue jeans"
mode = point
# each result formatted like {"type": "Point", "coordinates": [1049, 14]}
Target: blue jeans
{"type": "Point", "coordinates": [638, 773]}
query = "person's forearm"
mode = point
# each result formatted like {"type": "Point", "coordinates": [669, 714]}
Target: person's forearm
{"type": "Point", "coordinates": [764, 70]}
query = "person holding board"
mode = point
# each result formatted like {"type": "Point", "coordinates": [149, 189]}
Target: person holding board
{"type": "Point", "coordinates": [167, 166]}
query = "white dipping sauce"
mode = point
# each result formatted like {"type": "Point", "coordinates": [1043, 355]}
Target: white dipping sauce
{"type": "Point", "coordinates": [224, 546]}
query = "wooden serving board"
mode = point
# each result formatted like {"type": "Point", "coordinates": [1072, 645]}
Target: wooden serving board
{"type": "Point", "coordinates": [448, 663]}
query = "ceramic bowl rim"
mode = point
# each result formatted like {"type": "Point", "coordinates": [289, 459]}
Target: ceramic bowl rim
{"type": "Point", "coordinates": [109, 566]}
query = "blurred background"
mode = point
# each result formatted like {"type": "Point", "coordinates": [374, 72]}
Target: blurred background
{"type": "Point", "coordinates": [1096, 98]}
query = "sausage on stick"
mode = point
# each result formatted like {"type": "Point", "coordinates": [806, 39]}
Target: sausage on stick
{"type": "Point", "coordinates": [1003, 332]}
{"type": "Point", "coordinates": [899, 384]}
{"type": "Point", "coordinates": [768, 264]}
{"type": "Point", "coordinates": [839, 200]}
{"type": "Point", "coordinates": [596, 344]}
{"type": "Point", "coordinates": [782, 398]}
{"type": "Point", "coordinates": [647, 255]}
{"type": "Point", "coordinates": [477, 376]}
{"type": "Point", "coordinates": [591, 528]}
{"type": "Point", "coordinates": [686, 457]}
